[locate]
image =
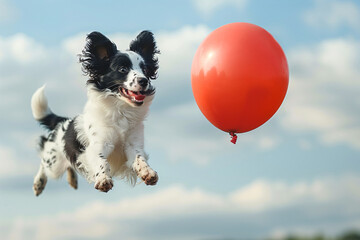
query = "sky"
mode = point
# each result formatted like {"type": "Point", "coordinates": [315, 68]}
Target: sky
{"type": "Point", "coordinates": [296, 174]}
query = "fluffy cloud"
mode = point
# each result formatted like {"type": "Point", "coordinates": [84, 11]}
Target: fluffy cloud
{"type": "Point", "coordinates": [323, 92]}
{"type": "Point", "coordinates": [166, 212]}
{"type": "Point", "coordinates": [11, 165]}
{"type": "Point", "coordinates": [265, 196]}
{"type": "Point", "coordinates": [26, 65]}
{"type": "Point", "coordinates": [208, 7]}
{"type": "Point", "coordinates": [21, 49]}
{"type": "Point", "coordinates": [333, 14]}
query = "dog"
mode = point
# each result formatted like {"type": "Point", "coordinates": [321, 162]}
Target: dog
{"type": "Point", "coordinates": [107, 139]}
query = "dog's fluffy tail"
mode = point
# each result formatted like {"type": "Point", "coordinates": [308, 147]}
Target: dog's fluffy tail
{"type": "Point", "coordinates": [42, 112]}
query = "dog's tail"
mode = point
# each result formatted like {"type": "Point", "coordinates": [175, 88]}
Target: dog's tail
{"type": "Point", "coordinates": [42, 112]}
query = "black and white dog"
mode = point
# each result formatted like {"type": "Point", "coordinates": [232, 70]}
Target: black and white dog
{"type": "Point", "coordinates": [107, 139]}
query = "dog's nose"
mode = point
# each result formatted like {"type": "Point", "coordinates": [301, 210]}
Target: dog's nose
{"type": "Point", "coordinates": [143, 82]}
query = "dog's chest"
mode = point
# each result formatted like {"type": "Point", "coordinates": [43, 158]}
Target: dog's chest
{"type": "Point", "coordinates": [118, 157]}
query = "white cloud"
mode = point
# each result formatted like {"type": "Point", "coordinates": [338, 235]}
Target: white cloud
{"type": "Point", "coordinates": [175, 206]}
{"type": "Point", "coordinates": [178, 49]}
{"type": "Point", "coordinates": [21, 49]}
{"type": "Point", "coordinates": [323, 91]}
{"type": "Point", "coordinates": [26, 65]}
{"type": "Point", "coordinates": [12, 166]}
{"type": "Point", "coordinates": [208, 7]}
{"type": "Point", "coordinates": [263, 195]}
{"type": "Point", "coordinates": [333, 14]}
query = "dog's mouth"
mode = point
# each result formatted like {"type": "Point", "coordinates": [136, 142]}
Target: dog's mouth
{"type": "Point", "coordinates": [136, 97]}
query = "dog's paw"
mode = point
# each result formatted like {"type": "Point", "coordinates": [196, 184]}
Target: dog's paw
{"type": "Point", "coordinates": [104, 184]}
{"type": "Point", "coordinates": [149, 176]}
{"type": "Point", "coordinates": [39, 186]}
{"type": "Point", "coordinates": [144, 171]}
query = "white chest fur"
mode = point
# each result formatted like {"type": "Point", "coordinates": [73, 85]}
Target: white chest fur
{"type": "Point", "coordinates": [110, 121]}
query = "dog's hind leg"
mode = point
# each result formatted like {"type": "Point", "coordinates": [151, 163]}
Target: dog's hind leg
{"type": "Point", "coordinates": [72, 177]}
{"type": "Point", "coordinates": [40, 181]}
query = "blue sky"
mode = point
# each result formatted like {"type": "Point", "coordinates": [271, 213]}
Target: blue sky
{"type": "Point", "coordinates": [298, 173]}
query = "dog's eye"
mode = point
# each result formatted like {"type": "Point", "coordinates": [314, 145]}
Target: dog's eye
{"type": "Point", "coordinates": [123, 69]}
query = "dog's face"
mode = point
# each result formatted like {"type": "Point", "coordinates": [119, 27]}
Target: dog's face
{"type": "Point", "coordinates": [126, 75]}
{"type": "Point", "coordinates": [127, 78]}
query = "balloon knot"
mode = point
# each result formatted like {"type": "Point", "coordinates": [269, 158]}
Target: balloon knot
{"type": "Point", "coordinates": [234, 137]}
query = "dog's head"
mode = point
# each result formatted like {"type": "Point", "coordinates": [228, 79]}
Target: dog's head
{"type": "Point", "coordinates": [126, 74]}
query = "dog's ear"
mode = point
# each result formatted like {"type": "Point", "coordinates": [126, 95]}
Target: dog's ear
{"type": "Point", "coordinates": [95, 57]}
{"type": "Point", "coordinates": [145, 45]}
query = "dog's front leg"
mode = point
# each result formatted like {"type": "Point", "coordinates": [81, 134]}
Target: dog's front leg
{"type": "Point", "coordinates": [98, 153]}
{"type": "Point", "coordinates": [137, 158]}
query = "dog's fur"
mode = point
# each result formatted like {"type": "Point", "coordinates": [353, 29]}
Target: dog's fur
{"type": "Point", "coordinates": [107, 139]}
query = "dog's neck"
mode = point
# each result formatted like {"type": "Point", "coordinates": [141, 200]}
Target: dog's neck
{"type": "Point", "coordinates": [111, 108]}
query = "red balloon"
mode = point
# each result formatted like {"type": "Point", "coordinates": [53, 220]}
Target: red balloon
{"type": "Point", "coordinates": [239, 77]}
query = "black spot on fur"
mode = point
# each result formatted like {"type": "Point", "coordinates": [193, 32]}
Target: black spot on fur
{"type": "Point", "coordinates": [42, 141]}
{"type": "Point", "coordinates": [90, 126]}
{"type": "Point", "coordinates": [51, 121]}
{"type": "Point", "coordinates": [72, 146]}
{"type": "Point", "coordinates": [52, 136]}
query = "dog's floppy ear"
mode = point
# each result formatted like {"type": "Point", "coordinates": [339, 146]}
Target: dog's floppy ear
{"type": "Point", "coordinates": [145, 45]}
{"type": "Point", "coordinates": [95, 57]}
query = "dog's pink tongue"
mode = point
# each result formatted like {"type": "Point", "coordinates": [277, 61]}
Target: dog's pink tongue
{"type": "Point", "coordinates": [138, 97]}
